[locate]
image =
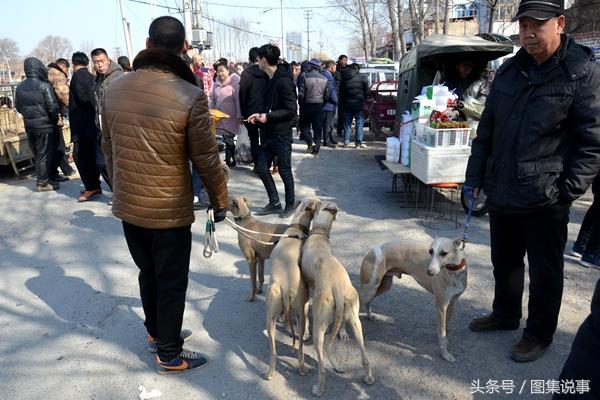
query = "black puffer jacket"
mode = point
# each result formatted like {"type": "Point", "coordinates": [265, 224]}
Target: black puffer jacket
{"type": "Point", "coordinates": [538, 141]}
{"type": "Point", "coordinates": [252, 90]}
{"type": "Point", "coordinates": [354, 90]}
{"type": "Point", "coordinates": [35, 98]}
{"type": "Point", "coordinates": [82, 105]}
{"type": "Point", "coordinates": [280, 102]}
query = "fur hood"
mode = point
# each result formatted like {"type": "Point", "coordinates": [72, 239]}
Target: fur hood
{"type": "Point", "coordinates": [166, 61]}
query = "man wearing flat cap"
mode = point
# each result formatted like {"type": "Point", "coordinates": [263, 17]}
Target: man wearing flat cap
{"type": "Point", "coordinates": [537, 150]}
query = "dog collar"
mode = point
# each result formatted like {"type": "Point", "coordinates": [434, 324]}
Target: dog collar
{"type": "Point", "coordinates": [456, 267]}
{"type": "Point", "coordinates": [302, 229]}
{"type": "Point", "coordinates": [320, 231]}
{"type": "Point", "coordinates": [242, 217]}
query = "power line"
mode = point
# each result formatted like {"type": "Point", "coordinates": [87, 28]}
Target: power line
{"type": "Point", "coordinates": [266, 7]}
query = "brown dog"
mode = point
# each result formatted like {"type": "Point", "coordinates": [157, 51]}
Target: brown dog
{"type": "Point", "coordinates": [254, 252]}
{"type": "Point", "coordinates": [335, 299]}
{"type": "Point", "coordinates": [288, 294]}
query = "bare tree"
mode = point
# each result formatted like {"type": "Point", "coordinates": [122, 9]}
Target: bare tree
{"type": "Point", "coordinates": [86, 46]}
{"type": "Point", "coordinates": [395, 12]}
{"type": "Point", "coordinates": [447, 11]}
{"type": "Point", "coordinates": [51, 48]}
{"type": "Point", "coordinates": [436, 16]}
{"type": "Point", "coordinates": [9, 50]}
{"type": "Point", "coordinates": [493, 5]}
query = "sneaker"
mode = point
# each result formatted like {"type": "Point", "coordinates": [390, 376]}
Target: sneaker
{"type": "Point", "coordinates": [491, 323]}
{"type": "Point", "coordinates": [45, 188]}
{"type": "Point", "coordinates": [269, 209]}
{"type": "Point", "coordinates": [88, 194]}
{"type": "Point", "coordinates": [590, 259]}
{"type": "Point", "coordinates": [55, 185]}
{"type": "Point", "coordinates": [287, 212]}
{"type": "Point", "coordinates": [360, 145]}
{"type": "Point", "coordinates": [60, 178]}
{"type": "Point", "coordinates": [153, 348]}
{"type": "Point", "coordinates": [528, 349]}
{"type": "Point", "coordinates": [344, 144]}
{"type": "Point", "coordinates": [332, 145]}
{"type": "Point", "coordinates": [310, 148]}
{"type": "Point", "coordinates": [185, 361]}
{"type": "Point", "coordinates": [577, 250]}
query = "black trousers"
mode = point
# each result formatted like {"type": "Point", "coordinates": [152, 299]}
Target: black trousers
{"type": "Point", "coordinates": [42, 147]}
{"type": "Point", "coordinates": [280, 146]}
{"type": "Point", "coordinates": [312, 115]}
{"type": "Point", "coordinates": [328, 117]}
{"type": "Point", "coordinates": [253, 134]}
{"type": "Point", "coordinates": [340, 119]}
{"type": "Point", "coordinates": [90, 161]}
{"type": "Point", "coordinates": [60, 155]}
{"type": "Point", "coordinates": [542, 236]}
{"type": "Point", "coordinates": [589, 233]}
{"type": "Point", "coordinates": [163, 257]}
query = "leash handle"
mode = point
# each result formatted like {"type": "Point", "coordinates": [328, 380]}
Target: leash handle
{"type": "Point", "coordinates": [211, 245]}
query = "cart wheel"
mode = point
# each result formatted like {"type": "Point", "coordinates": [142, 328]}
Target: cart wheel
{"type": "Point", "coordinates": [479, 209]}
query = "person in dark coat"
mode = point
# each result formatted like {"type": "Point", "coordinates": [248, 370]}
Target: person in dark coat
{"type": "Point", "coordinates": [277, 118]}
{"type": "Point", "coordinates": [36, 101]}
{"type": "Point", "coordinates": [252, 87]}
{"type": "Point", "coordinates": [312, 95]}
{"type": "Point", "coordinates": [86, 136]}
{"type": "Point", "coordinates": [584, 358]}
{"type": "Point", "coordinates": [341, 65]}
{"type": "Point", "coordinates": [537, 150]}
{"type": "Point", "coordinates": [354, 91]}
{"type": "Point", "coordinates": [330, 105]}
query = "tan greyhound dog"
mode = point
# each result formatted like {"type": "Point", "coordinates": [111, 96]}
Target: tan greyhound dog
{"type": "Point", "coordinates": [288, 293]}
{"type": "Point", "coordinates": [254, 252]}
{"type": "Point", "coordinates": [440, 267]}
{"type": "Point", "coordinates": [335, 299]}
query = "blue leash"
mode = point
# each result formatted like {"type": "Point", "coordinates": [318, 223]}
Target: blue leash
{"type": "Point", "coordinates": [468, 221]}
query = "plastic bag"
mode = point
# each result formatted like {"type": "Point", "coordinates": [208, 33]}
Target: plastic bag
{"type": "Point", "coordinates": [243, 154]}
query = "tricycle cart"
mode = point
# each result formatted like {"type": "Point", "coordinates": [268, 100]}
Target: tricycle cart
{"type": "Point", "coordinates": [381, 106]}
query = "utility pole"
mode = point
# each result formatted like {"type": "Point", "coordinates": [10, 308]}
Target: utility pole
{"type": "Point", "coordinates": [187, 19]}
{"type": "Point", "coordinates": [321, 43]}
{"type": "Point", "coordinates": [126, 32]}
{"type": "Point", "coordinates": [308, 16]}
{"type": "Point", "coordinates": [197, 23]}
{"type": "Point", "coordinates": [283, 41]}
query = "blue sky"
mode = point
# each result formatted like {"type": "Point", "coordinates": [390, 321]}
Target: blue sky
{"type": "Point", "coordinates": [98, 23]}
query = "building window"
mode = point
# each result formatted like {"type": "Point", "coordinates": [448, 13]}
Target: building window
{"type": "Point", "coordinates": [473, 10]}
{"type": "Point", "coordinates": [460, 11]}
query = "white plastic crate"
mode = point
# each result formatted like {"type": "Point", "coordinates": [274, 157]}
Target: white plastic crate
{"type": "Point", "coordinates": [438, 164]}
{"type": "Point", "coordinates": [458, 137]}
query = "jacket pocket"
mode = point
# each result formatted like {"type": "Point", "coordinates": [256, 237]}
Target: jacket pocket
{"type": "Point", "coordinates": [537, 182]}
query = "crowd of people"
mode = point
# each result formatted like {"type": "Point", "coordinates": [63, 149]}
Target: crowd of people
{"type": "Point", "coordinates": [536, 151]}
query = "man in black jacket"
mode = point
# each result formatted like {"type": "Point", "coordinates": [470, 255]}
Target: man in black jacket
{"type": "Point", "coordinates": [86, 136]}
{"type": "Point", "coordinates": [342, 64]}
{"type": "Point", "coordinates": [537, 150]}
{"type": "Point", "coordinates": [312, 94]}
{"type": "Point", "coordinates": [36, 101]}
{"type": "Point", "coordinates": [354, 91]}
{"type": "Point", "coordinates": [277, 119]}
{"type": "Point", "coordinates": [252, 88]}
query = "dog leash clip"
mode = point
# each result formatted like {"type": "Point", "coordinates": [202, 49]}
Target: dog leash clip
{"type": "Point", "coordinates": [211, 245]}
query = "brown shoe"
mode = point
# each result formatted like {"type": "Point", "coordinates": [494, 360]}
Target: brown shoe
{"type": "Point", "coordinates": [491, 323]}
{"type": "Point", "coordinates": [88, 194]}
{"type": "Point", "coordinates": [528, 349]}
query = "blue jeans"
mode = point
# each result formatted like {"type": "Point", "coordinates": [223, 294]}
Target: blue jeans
{"type": "Point", "coordinates": [196, 183]}
{"type": "Point", "coordinates": [360, 121]}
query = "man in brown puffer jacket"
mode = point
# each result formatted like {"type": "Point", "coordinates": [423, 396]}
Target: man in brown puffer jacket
{"type": "Point", "coordinates": [154, 121]}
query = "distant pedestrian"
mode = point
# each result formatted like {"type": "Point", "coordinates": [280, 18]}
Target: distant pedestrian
{"type": "Point", "coordinates": [252, 89]}
{"type": "Point", "coordinates": [58, 76]}
{"type": "Point", "coordinates": [123, 61]}
{"type": "Point", "coordinates": [312, 95]}
{"type": "Point", "coordinates": [155, 121]}
{"type": "Point", "coordinates": [204, 73]}
{"type": "Point", "coordinates": [330, 105]}
{"type": "Point", "coordinates": [354, 91]}
{"type": "Point", "coordinates": [341, 65]}
{"type": "Point", "coordinates": [36, 101]}
{"type": "Point", "coordinates": [84, 132]}
{"type": "Point", "coordinates": [277, 118]}
{"type": "Point", "coordinates": [225, 98]}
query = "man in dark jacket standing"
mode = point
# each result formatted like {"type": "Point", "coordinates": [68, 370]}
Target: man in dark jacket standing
{"type": "Point", "coordinates": [537, 150]}
{"type": "Point", "coordinates": [106, 71]}
{"type": "Point", "coordinates": [329, 107]}
{"type": "Point", "coordinates": [148, 146]}
{"type": "Point", "coordinates": [342, 64]}
{"type": "Point", "coordinates": [312, 94]}
{"type": "Point", "coordinates": [252, 89]}
{"type": "Point", "coordinates": [276, 119]}
{"type": "Point", "coordinates": [86, 136]}
{"type": "Point", "coordinates": [354, 91]}
{"type": "Point", "coordinates": [36, 101]}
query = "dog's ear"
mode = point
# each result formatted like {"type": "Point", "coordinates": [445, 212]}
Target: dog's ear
{"type": "Point", "coordinates": [458, 243]}
{"type": "Point", "coordinates": [246, 201]}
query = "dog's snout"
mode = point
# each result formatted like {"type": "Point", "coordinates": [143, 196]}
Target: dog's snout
{"type": "Point", "coordinates": [430, 272]}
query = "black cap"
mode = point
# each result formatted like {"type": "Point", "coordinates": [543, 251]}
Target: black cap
{"type": "Point", "coordinates": [541, 10]}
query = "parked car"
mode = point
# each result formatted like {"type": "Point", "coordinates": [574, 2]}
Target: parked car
{"type": "Point", "coordinates": [378, 74]}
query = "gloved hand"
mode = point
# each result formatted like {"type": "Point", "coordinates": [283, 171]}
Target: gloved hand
{"type": "Point", "coordinates": [219, 213]}
{"type": "Point", "coordinates": [470, 193]}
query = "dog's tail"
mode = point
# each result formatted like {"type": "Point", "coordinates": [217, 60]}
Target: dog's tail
{"type": "Point", "coordinates": [338, 297]}
{"type": "Point", "coordinates": [286, 311]}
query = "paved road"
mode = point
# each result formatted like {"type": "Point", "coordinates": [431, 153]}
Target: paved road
{"type": "Point", "coordinates": [71, 318]}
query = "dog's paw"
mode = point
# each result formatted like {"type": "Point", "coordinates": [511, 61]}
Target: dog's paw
{"type": "Point", "coordinates": [369, 380]}
{"type": "Point", "coordinates": [448, 357]}
{"type": "Point", "coordinates": [343, 335]}
{"type": "Point", "coordinates": [302, 371]}
{"type": "Point", "coordinates": [317, 391]}
{"type": "Point", "coordinates": [269, 375]}
{"type": "Point", "coordinates": [281, 319]}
